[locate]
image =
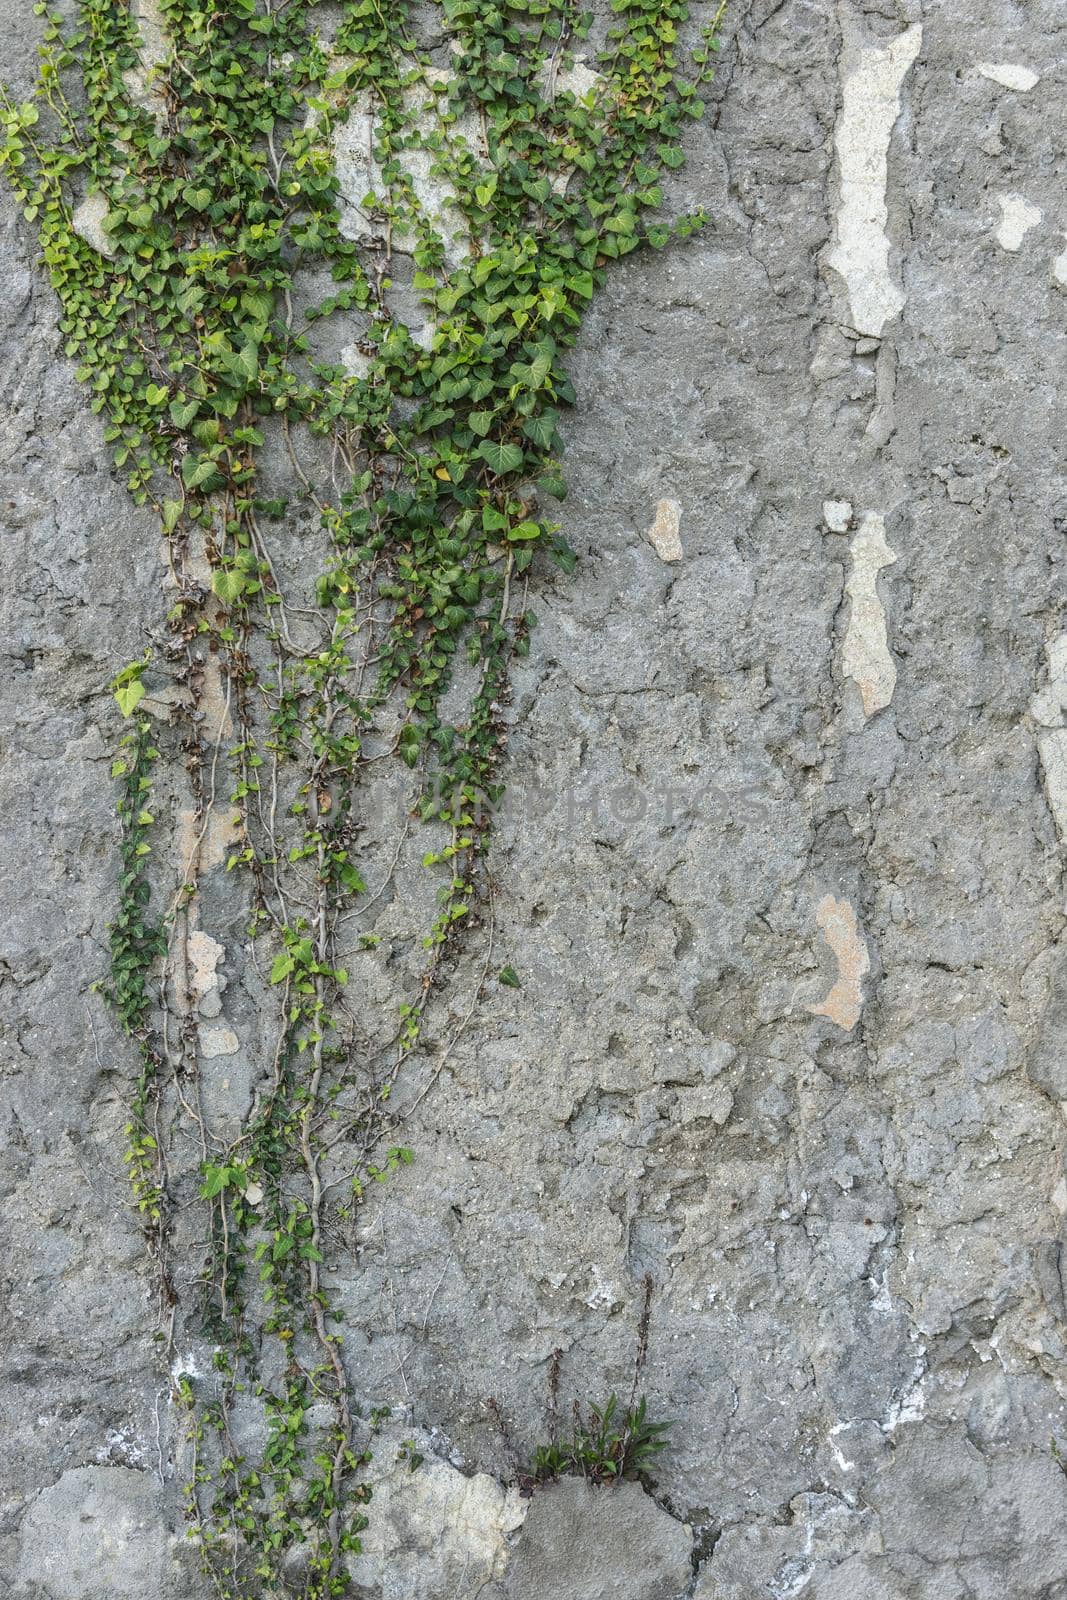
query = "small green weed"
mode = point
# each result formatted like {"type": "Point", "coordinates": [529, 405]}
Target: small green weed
{"type": "Point", "coordinates": [610, 1445]}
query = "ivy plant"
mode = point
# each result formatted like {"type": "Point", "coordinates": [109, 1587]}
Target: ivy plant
{"type": "Point", "coordinates": [447, 186]}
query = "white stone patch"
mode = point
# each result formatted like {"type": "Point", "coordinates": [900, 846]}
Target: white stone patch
{"type": "Point", "coordinates": [1017, 217]}
{"type": "Point", "coordinates": [665, 533]}
{"type": "Point", "coordinates": [88, 220]}
{"type": "Point", "coordinates": [204, 955]}
{"type": "Point", "coordinates": [1049, 711]}
{"type": "Point", "coordinates": [206, 984]}
{"type": "Point", "coordinates": [359, 174]}
{"type": "Point", "coordinates": [435, 1530]}
{"type": "Point", "coordinates": [217, 1041]}
{"type": "Point", "coordinates": [839, 1457]}
{"type": "Point", "coordinates": [152, 49]}
{"type": "Point", "coordinates": [837, 515]}
{"type": "Point", "coordinates": [870, 108]}
{"type": "Point", "coordinates": [910, 1405]}
{"type": "Point", "coordinates": [578, 80]}
{"type": "Point", "coordinates": [186, 1366]}
{"type": "Point", "coordinates": [865, 657]}
{"type": "Point", "coordinates": [355, 362]}
{"type": "Point", "coordinates": [843, 1004]}
{"type": "Point", "coordinates": [604, 1294]}
{"type": "Point", "coordinates": [1008, 76]}
{"type": "Point", "coordinates": [1059, 268]}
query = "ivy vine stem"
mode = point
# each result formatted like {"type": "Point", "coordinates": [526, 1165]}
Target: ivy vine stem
{"type": "Point", "coordinates": [300, 233]}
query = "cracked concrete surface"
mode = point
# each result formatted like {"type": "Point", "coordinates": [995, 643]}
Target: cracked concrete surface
{"type": "Point", "coordinates": [856, 1235]}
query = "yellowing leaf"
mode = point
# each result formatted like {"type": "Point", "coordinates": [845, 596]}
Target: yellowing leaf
{"type": "Point", "coordinates": [129, 696]}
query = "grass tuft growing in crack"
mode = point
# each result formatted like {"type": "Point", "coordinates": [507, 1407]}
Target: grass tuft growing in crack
{"type": "Point", "coordinates": [607, 1444]}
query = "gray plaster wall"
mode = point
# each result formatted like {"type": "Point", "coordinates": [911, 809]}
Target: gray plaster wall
{"type": "Point", "coordinates": [783, 882]}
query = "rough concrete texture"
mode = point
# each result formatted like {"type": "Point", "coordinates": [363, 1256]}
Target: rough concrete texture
{"type": "Point", "coordinates": [613, 1544]}
{"type": "Point", "coordinates": [854, 1222]}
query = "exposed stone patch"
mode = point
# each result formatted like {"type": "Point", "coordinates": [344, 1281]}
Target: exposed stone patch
{"type": "Point", "coordinates": [88, 219]}
{"type": "Point", "coordinates": [1017, 217]}
{"type": "Point", "coordinates": [871, 106]}
{"type": "Point", "coordinates": [355, 361]}
{"type": "Point", "coordinates": [436, 1532]}
{"type": "Point", "coordinates": [866, 658]}
{"type": "Point", "coordinates": [837, 515]}
{"type": "Point", "coordinates": [599, 1544]}
{"type": "Point", "coordinates": [218, 1041]}
{"type": "Point", "coordinates": [841, 931]}
{"type": "Point", "coordinates": [210, 844]}
{"type": "Point", "coordinates": [152, 50]}
{"type": "Point", "coordinates": [665, 533]}
{"type": "Point", "coordinates": [204, 954]}
{"type": "Point", "coordinates": [94, 1533]}
{"type": "Point", "coordinates": [1009, 76]}
{"type": "Point", "coordinates": [358, 172]}
{"type": "Point", "coordinates": [1059, 269]}
{"type": "Point", "coordinates": [1049, 711]}
{"type": "Point", "coordinates": [577, 80]}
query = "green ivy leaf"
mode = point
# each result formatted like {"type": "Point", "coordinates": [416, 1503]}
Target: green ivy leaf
{"type": "Point", "coordinates": [129, 696]}
{"type": "Point", "coordinates": [501, 458]}
{"type": "Point", "coordinates": [541, 429]}
{"type": "Point", "coordinates": [197, 470]}
{"type": "Point", "coordinates": [229, 584]}
{"type": "Point", "coordinates": [183, 411]}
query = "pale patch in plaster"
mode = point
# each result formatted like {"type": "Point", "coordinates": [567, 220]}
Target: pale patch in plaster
{"type": "Point", "coordinates": [578, 80]}
{"type": "Point", "coordinates": [435, 1530]}
{"type": "Point", "coordinates": [1017, 217]}
{"type": "Point", "coordinates": [837, 515]}
{"type": "Point", "coordinates": [355, 361]}
{"type": "Point", "coordinates": [88, 221]}
{"type": "Point", "coordinates": [204, 955]}
{"type": "Point", "coordinates": [217, 1041]}
{"type": "Point", "coordinates": [1049, 711]}
{"type": "Point", "coordinates": [1059, 269]}
{"type": "Point", "coordinates": [910, 1405]}
{"type": "Point", "coordinates": [665, 533]}
{"type": "Point", "coordinates": [359, 174]}
{"type": "Point", "coordinates": [865, 657]}
{"type": "Point", "coordinates": [839, 1456]}
{"type": "Point", "coordinates": [141, 80]}
{"type": "Point", "coordinates": [844, 1003]}
{"type": "Point", "coordinates": [1008, 75]}
{"type": "Point", "coordinates": [212, 700]}
{"type": "Point", "coordinates": [870, 108]}
{"type": "Point", "coordinates": [199, 848]}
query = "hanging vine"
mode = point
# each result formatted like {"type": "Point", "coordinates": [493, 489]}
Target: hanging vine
{"type": "Point", "coordinates": [215, 187]}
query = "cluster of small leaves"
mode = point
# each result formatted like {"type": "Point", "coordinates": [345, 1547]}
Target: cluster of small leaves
{"type": "Point", "coordinates": [137, 944]}
{"type": "Point", "coordinates": [607, 1446]}
{"type": "Point", "coordinates": [218, 194]}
